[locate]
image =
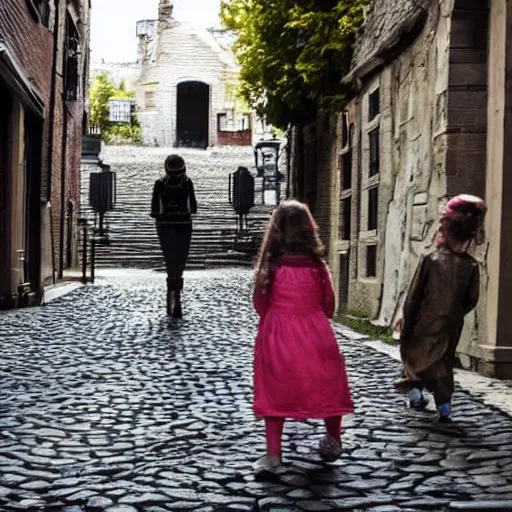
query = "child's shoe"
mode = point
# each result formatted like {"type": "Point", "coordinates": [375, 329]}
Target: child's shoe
{"type": "Point", "coordinates": [330, 449]}
{"type": "Point", "coordinates": [444, 412]}
{"type": "Point", "coordinates": [266, 469]}
{"type": "Point", "coordinates": [416, 400]}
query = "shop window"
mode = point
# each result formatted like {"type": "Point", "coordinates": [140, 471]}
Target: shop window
{"type": "Point", "coordinates": [371, 261]}
{"type": "Point", "coordinates": [373, 208]}
{"type": "Point", "coordinates": [346, 216]}
{"type": "Point", "coordinates": [374, 105]}
{"type": "Point", "coordinates": [374, 152]}
{"type": "Point", "coordinates": [150, 100]}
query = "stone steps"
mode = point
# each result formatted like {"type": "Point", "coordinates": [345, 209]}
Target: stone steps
{"type": "Point", "coordinates": [133, 241]}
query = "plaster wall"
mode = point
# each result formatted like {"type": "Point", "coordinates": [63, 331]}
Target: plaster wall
{"type": "Point", "coordinates": [444, 119]}
{"type": "Point", "coordinates": [412, 125]}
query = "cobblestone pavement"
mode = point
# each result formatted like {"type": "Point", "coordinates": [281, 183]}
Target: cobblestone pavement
{"type": "Point", "coordinates": [105, 405]}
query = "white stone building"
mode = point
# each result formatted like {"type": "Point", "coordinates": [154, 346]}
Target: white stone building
{"type": "Point", "coordinates": [185, 92]}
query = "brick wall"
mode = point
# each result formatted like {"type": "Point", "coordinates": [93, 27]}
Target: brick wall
{"type": "Point", "coordinates": [31, 42]}
{"type": "Point", "coordinates": [234, 138]}
{"type": "Point", "coordinates": [67, 147]}
{"type": "Point", "coordinates": [33, 45]}
{"type": "Point", "coordinates": [326, 182]}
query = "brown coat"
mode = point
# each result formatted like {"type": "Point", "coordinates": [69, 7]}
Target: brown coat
{"type": "Point", "coordinates": [444, 289]}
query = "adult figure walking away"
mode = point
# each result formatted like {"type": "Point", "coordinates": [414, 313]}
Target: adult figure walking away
{"type": "Point", "coordinates": [174, 203]}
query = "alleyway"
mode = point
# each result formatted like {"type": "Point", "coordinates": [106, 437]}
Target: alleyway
{"type": "Point", "coordinates": [105, 405]}
{"type": "Point", "coordinates": [133, 240]}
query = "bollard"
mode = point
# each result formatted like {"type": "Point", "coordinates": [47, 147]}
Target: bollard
{"type": "Point", "coordinates": [84, 257]}
{"type": "Point", "coordinates": [93, 257]}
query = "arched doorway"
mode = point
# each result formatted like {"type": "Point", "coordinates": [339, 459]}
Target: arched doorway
{"type": "Point", "coordinates": [70, 243]}
{"type": "Point", "coordinates": [193, 115]}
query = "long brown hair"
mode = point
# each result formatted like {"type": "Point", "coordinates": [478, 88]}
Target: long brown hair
{"type": "Point", "coordinates": [291, 230]}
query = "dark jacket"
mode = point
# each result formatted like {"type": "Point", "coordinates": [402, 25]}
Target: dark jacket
{"type": "Point", "coordinates": [444, 289]}
{"type": "Point", "coordinates": [174, 200]}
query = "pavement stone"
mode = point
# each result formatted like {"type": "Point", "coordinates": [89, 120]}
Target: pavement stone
{"type": "Point", "coordinates": [106, 405]}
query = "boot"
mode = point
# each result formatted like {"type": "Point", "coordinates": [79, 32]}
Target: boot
{"type": "Point", "coordinates": [171, 296]}
{"type": "Point", "coordinates": [178, 287]}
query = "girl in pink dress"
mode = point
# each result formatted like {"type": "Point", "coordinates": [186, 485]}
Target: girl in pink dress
{"type": "Point", "coordinates": [299, 372]}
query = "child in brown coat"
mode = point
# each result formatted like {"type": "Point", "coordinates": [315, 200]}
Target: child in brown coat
{"type": "Point", "coordinates": [444, 289]}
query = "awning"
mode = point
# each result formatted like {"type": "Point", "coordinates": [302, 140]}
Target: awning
{"type": "Point", "coordinates": [12, 72]}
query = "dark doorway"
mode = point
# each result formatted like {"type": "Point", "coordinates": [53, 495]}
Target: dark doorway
{"type": "Point", "coordinates": [33, 163]}
{"type": "Point", "coordinates": [343, 286]}
{"type": "Point", "coordinates": [70, 235]}
{"type": "Point", "coordinates": [5, 162]}
{"type": "Point", "coordinates": [193, 115]}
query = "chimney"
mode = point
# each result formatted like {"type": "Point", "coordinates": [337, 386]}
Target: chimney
{"type": "Point", "coordinates": [165, 11]}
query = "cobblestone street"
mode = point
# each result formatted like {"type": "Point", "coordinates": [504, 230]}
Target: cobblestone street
{"type": "Point", "coordinates": [106, 405]}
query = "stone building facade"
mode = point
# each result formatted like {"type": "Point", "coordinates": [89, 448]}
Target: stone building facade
{"type": "Point", "coordinates": [43, 85]}
{"type": "Point", "coordinates": [185, 92]}
{"type": "Point", "coordinates": [430, 120]}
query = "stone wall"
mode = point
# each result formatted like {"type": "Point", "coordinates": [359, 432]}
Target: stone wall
{"type": "Point", "coordinates": [427, 99]}
{"type": "Point", "coordinates": [393, 208]}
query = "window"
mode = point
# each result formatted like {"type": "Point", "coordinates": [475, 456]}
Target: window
{"type": "Point", "coordinates": [374, 152]}
{"type": "Point", "coordinates": [373, 208]}
{"type": "Point", "coordinates": [72, 52]}
{"type": "Point", "coordinates": [150, 100]}
{"type": "Point", "coordinates": [233, 123]}
{"type": "Point", "coordinates": [374, 105]}
{"type": "Point", "coordinates": [346, 171]}
{"type": "Point", "coordinates": [346, 215]}
{"type": "Point", "coordinates": [344, 130]}
{"type": "Point", "coordinates": [121, 111]}
{"type": "Point", "coordinates": [371, 261]}
{"type": "Point", "coordinates": [40, 11]}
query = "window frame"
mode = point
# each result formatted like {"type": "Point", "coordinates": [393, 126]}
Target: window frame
{"type": "Point", "coordinates": [346, 219]}
{"type": "Point", "coordinates": [373, 104]}
{"type": "Point", "coordinates": [374, 151]}
{"type": "Point", "coordinates": [371, 263]}
{"type": "Point", "coordinates": [39, 15]}
{"type": "Point", "coordinates": [150, 104]}
{"type": "Point", "coordinates": [373, 209]}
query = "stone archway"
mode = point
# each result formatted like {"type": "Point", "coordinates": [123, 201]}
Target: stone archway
{"type": "Point", "coordinates": [193, 115]}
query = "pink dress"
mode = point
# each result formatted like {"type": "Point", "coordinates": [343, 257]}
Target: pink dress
{"type": "Point", "coordinates": [299, 371]}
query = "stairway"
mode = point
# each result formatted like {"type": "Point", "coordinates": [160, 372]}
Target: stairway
{"type": "Point", "coordinates": [133, 241]}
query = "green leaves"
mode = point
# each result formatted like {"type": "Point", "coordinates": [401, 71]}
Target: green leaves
{"type": "Point", "coordinates": [293, 54]}
{"type": "Point", "coordinates": [101, 91]}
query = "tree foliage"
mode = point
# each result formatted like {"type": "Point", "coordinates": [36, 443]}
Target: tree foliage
{"type": "Point", "coordinates": [102, 90]}
{"type": "Point", "coordinates": [293, 54]}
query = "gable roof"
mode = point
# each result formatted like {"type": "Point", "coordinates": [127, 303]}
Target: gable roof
{"type": "Point", "coordinates": [390, 25]}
